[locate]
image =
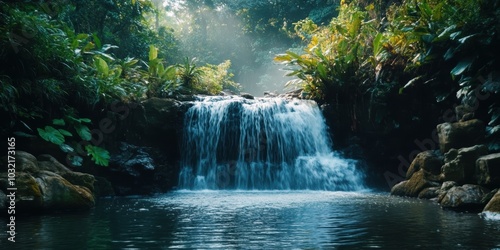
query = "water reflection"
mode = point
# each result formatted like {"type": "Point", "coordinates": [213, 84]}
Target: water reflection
{"type": "Point", "coordinates": [258, 220]}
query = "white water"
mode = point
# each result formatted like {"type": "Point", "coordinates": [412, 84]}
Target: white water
{"type": "Point", "coordinates": [266, 143]}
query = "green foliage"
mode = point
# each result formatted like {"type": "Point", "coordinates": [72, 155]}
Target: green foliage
{"type": "Point", "coordinates": [39, 64]}
{"type": "Point", "coordinates": [59, 137]}
{"type": "Point", "coordinates": [99, 155]}
{"type": "Point", "coordinates": [441, 50]}
{"type": "Point", "coordinates": [53, 135]}
{"type": "Point", "coordinates": [448, 45]}
{"type": "Point", "coordinates": [216, 78]}
{"type": "Point", "coordinates": [334, 60]}
{"type": "Point", "coordinates": [123, 23]}
{"type": "Point", "coordinates": [161, 79]}
{"type": "Point", "coordinates": [189, 73]}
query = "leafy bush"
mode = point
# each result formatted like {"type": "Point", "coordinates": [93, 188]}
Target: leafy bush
{"type": "Point", "coordinates": [62, 129]}
{"type": "Point", "coordinates": [216, 78]}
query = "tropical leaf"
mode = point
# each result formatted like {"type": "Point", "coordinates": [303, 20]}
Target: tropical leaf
{"type": "Point", "coordinates": [412, 81]}
{"type": "Point", "coordinates": [102, 66]}
{"type": "Point", "coordinates": [75, 160]}
{"type": "Point", "coordinates": [51, 134]}
{"type": "Point", "coordinates": [462, 66]}
{"type": "Point", "coordinates": [83, 131]}
{"type": "Point", "coordinates": [59, 122]}
{"type": "Point", "coordinates": [153, 52]}
{"type": "Point", "coordinates": [66, 148]}
{"type": "Point", "coordinates": [169, 73]}
{"type": "Point", "coordinates": [64, 132]}
{"type": "Point", "coordinates": [97, 41]}
{"type": "Point", "coordinates": [99, 155]}
{"type": "Point", "coordinates": [322, 71]}
{"type": "Point", "coordinates": [377, 44]}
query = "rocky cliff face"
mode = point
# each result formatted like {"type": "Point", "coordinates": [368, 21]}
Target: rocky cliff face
{"type": "Point", "coordinates": [460, 175]}
{"type": "Point", "coordinates": [145, 146]}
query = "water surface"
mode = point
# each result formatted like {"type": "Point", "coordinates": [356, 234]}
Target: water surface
{"type": "Point", "coordinates": [258, 220]}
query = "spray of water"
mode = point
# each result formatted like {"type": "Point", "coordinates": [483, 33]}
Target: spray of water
{"type": "Point", "coordinates": [266, 143]}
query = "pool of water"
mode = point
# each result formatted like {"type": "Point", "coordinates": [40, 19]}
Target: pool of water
{"type": "Point", "coordinates": [258, 220]}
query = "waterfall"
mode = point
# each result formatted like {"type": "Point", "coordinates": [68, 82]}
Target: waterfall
{"type": "Point", "coordinates": [266, 143]}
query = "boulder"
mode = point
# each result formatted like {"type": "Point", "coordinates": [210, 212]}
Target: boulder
{"type": "Point", "coordinates": [488, 170]}
{"type": "Point", "coordinates": [487, 197]}
{"type": "Point", "coordinates": [60, 194]}
{"type": "Point", "coordinates": [464, 198]}
{"type": "Point", "coordinates": [430, 161]}
{"type": "Point", "coordinates": [399, 189]}
{"type": "Point", "coordinates": [464, 112]}
{"type": "Point", "coordinates": [413, 186]}
{"type": "Point", "coordinates": [49, 163]}
{"type": "Point", "coordinates": [447, 185]}
{"type": "Point", "coordinates": [26, 162]}
{"type": "Point", "coordinates": [41, 186]}
{"type": "Point", "coordinates": [80, 179]}
{"type": "Point", "coordinates": [460, 134]}
{"type": "Point", "coordinates": [429, 193]}
{"type": "Point", "coordinates": [28, 193]}
{"type": "Point", "coordinates": [460, 165]}
{"type": "Point", "coordinates": [247, 96]}
{"type": "Point", "coordinates": [298, 93]}
{"type": "Point", "coordinates": [494, 204]}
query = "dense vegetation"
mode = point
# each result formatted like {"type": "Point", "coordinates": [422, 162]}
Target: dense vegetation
{"type": "Point", "coordinates": [388, 69]}
{"type": "Point", "coordinates": [63, 60]}
{"type": "Point", "coordinates": [378, 67]}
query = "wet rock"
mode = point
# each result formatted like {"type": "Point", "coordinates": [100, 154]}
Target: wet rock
{"type": "Point", "coordinates": [430, 193]}
{"type": "Point", "coordinates": [413, 186]}
{"type": "Point", "coordinates": [460, 165]}
{"type": "Point", "coordinates": [488, 170]}
{"type": "Point", "coordinates": [49, 163]}
{"type": "Point", "coordinates": [293, 94]}
{"type": "Point", "coordinates": [430, 161]}
{"type": "Point", "coordinates": [131, 171]}
{"type": "Point", "coordinates": [60, 194]}
{"type": "Point", "coordinates": [487, 197]}
{"type": "Point", "coordinates": [447, 185]}
{"type": "Point", "coordinates": [399, 189]}
{"type": "Point", "coordinates": [41, 188]}
{"type": "Point", "coordinates": [494, 204]}
{"type": "Point", "coordinates": [26, 162]}
{"type": "Point", "coordinates": [28, 193]}
{"type": "Point", "coordinates": [460, 134]}
{"type": "Point", "coordinates": [80, 179]}
{"type": "Point", "coordinates": [464, 198]}
{"type": "Point", "coordinates": [247, 96]}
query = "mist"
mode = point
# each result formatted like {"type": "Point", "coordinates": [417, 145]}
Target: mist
{"type": "Point", "coordinates": [213, 33]}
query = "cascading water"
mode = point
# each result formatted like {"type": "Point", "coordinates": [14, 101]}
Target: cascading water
{"type": "Point", "coordinates": [266, 143]}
